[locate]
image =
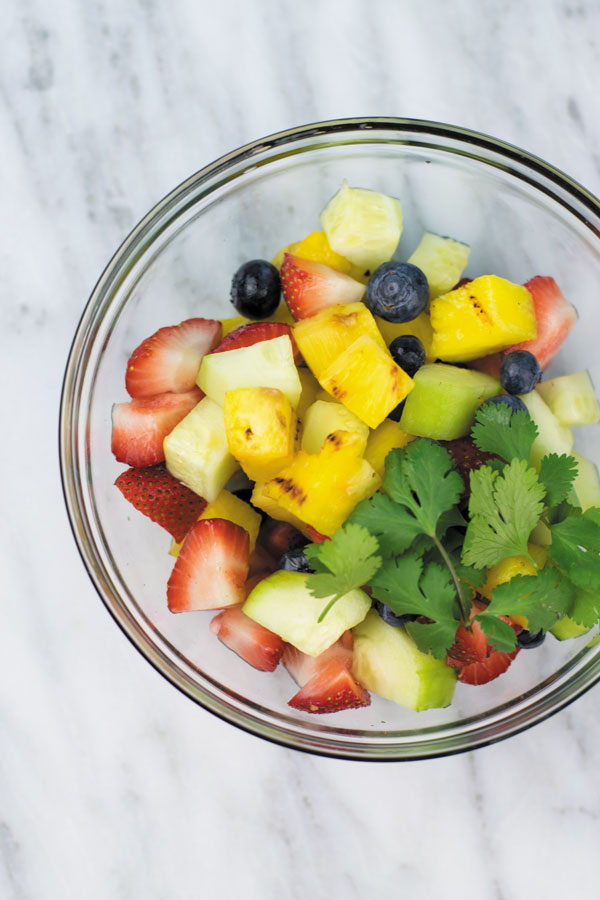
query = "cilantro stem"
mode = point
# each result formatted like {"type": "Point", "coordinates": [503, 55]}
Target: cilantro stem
{"type": "Point", "coordinates": [464, 606]}
{"type": "Point", "coordinates": [326, 609]}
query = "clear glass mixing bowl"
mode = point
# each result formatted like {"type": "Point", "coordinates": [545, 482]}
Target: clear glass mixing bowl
{"type": "Point", "coordinates": [521, 217]}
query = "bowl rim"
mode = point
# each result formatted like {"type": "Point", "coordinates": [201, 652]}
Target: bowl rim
{"type": "Point", "coordinates": [316, 745]}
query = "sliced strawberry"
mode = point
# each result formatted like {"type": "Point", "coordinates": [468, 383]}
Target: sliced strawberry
{"type": "Point", "coordinates": [247, 335]}
{"type": "Point", "coordinates": [476, 661]}
{"type": "Point", "coordinates": [554, 315]}
{"type": "Point", "coordinates": [211, 569]}
{"type": "Point", "coordinates": [470, 645]}
{"type": "Point", "coordinates": [140, 426]}
{"type": "Point", "coordinates": [303, 667]}
{"type": "Point", "coordinates": [310, 286]}
{"type": "Point", "coordinates": [279, 537]}
{"type": "Point", "coordinates": [333, 688]}
{"type": "Point", "coordinates": [155, 493]}
{"type": "Point", "coordinates": [316, 536]}
{"type": "Point", "coordinates": [254, 643]}
{"type": "Point", "coordinates": [489, 365]}
{"type": "Point", "coordinates": [169, 360]}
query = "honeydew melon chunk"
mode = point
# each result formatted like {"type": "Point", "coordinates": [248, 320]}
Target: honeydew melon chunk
{"type": "Point", "coordinates": [323, 418]}
{"type": "Point", "coordinates": [587, 482]}
{"type": "Point", "coordinates": [567, 628]}
{"type": "Point", "coordinates": [442, 259]}
{"type": "Point", "coordinates": [282, 603]}
{"type": "Point", "coordinates": [363, 225]}
{"type": "Point", "coordinates": [388, 662]}
{"type": "Point", "coordinates": [571, 398]}
{"type": "Point", "coordinates": [268, 364]}
{"type": "Point", "coordinates": [197, 453]}
{"type": "Point", "coordinates": [444, 399]}
{"type": "Point", "coordinates": [310, 389]}
{"type": "Point", "coordinates": [552, 436]}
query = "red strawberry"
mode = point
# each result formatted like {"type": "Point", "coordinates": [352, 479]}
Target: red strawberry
{"type": "Point", "coordinates": [333, 688]}
{"type": "Point", "coordinates": [155, 493]}
{"type": "Point", "coordinates": [169, 360]}
{"type": "Point", "coordinates": [211, 569]}
{"type": "Point", "coordinates": [310, 286]}
{"type": "Point", "coordinates": [316, 536]}
{"type": "Point", "coordinates": [254, 643]}
{"type": "Point", "coordinates": [279, 537]}
{"type": "Point", "coordinates": [303, 667]}
{"type": "Point", "coordinates": [261, 562]}
{"type": "Point", "coordinates": [554, 315]}
{"type": "Point", "coordinates": [140, 426]}
{"type": "Point", "coordinates": [476, 661]}
{"type": "Point", "coordinates": [247, 335]}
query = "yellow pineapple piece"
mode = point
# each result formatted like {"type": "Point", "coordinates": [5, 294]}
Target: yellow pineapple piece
{"type": "Point", "coordinates": [367, 381]}
{"type": "Point", "coordinates": [282, 314]}
{"type": "Point", "coordinates": [322, 489]}
{"type": "Point", "coordinates": [420, 327]}
{"type": "Point", "coordinates": [261, 430]}
{"type": "Point", "coordinates": [323, 418]}
{"type": "Point", "coordinates": [486, 315]}
{"type": "Point", "coordinates": [322, 337]}
{"type": "Point", "coordinates": [228, 506]}
{"type": "Point", "coordinates": [315, 247]}
{"type": "Point", "coordinates": [272, 508]}
{"type": "Point", "coordinates": [509, 568]}
{"type": "Point", "coordinates": [387, 436]}
{"type": "Point", "coordinates": [310, 389]}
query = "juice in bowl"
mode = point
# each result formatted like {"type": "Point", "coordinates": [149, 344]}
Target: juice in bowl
{"type": "Point", "coordinates": [518, 219]}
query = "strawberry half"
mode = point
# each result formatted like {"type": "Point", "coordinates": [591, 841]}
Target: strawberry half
{"type": "Point", "coordinates": [333, 688]}
{"type": "Point", "coordinates": [554, 316]}
{"type": "Point", "coordinates": [155, 493]}
{"type": "Point", "coordinates": [476, 661]}
{"type": "Point", "coordinates": [169, 359]}
{"type": "Point", "coordinates": [211, 569]}
{"type": "Point", "coordinates": [140, 426]}
{"type": "Point", "coordinates": [303, 667]}
{"type": "Point", "coordinates": [254, 333]}
{"type": "Point", "coordinates": [251, 641]}
{"type": "Point", "coordinates": [316, 536]}
{"type": "Point", "coordinates": [310, 286]}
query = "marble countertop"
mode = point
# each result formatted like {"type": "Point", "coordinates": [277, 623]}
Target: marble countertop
{"type": "Point", "coordinates": [112, 784]}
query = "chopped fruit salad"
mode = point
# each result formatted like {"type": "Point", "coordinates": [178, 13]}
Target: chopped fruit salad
{"type": "Point", "coordinates": [412, 513]}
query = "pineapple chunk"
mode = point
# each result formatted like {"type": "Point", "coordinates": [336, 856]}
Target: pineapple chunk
{"type": "Point", "coordinates": [322, 337]}
{"type": "Point", "coordinates": [315, 247]}
{"type": "Point", "coordinates": [323, 418]}
{"type": "Point", "coordinates": [197, 453]}
{"type": "Point", "coordinates": [367, 381]}
{"type": "Point", "coordinates": [265, 364]}
{"type": "Point", "coordinates": [322, 489]}
{"type": "Point", "coordinates": [282, 314]}
{"type": "Point", "coordinates": [509, 568]}
{"type": "Point", "coordinates": [261, 430]}
{"type": "Point", "coordinates": [387, 436]}
{"type": "Point", "coordinates": [310, 389]}
{"type": "Point", "coordinates": [272, 508]}
{"type": "Point", "coordinates": [420, 327]}
{"type": "Point", "coordinates": [228, 506]}
{"type": "Point", "coordinates": [486, 315]}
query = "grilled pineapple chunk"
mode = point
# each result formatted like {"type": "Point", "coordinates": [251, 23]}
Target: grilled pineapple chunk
{"type": "Point", "coordinates": [508, 569]}
{"type": "Point", "coordinates": [367, 381]}
{"type": "Point", "coordinates": [420, 327]}
{"type": "Point", "coordinates": [323, 418]}
{"type": "Point", "coordinates": [315, 247]}
{"type": "Point", "coordinates": [387, 436]}
{"type": "Point", "coordinates": [486, 315]}
{"type": "Point", "coordinates": [272, 508]}
{"type": "Point", "coordinates": [322, 337]}
{"type": "Point", "coordinates": [261, 429]}
{"type": "Point", "coordinates": [228, 506]}
{"type": "Point", "coordinates": [322, 489]}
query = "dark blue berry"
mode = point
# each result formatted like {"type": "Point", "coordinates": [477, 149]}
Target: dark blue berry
{"type": "Point", "coordinates": [408, 352]}
{"type": "Point", "coordinates": [294, 561]}
{"type": "Point", "coordinates": [515, 403]}
{"type": "Point", "coordinates": [256, 289]}
{"type": "Point", "coordinates": [397, 292]}
{"type": "Point", "coordinates": [396, 413]}
{"type": "Point", "coordinates": [528, 640]}
{"type": "Point", "coordinates": [391, 618]}
{"type": "Point", "coordinates": [520, 372]}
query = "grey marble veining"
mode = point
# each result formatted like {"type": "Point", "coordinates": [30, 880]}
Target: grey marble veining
{"type": "Point", "coordinates": [112, 784]}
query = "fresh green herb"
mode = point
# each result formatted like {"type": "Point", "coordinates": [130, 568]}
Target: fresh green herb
{"type": "Point", "coordinates": [557, 474]}
{"type": "Point", "coordinates": [348, 561]}
{"type": "Point", "coordinates": [393, 526]}
{"type": "Point", "coordinates": [586, 607]}
{"type": "Point", "coordinates": [503, 431]}
{"type": "Point", "coordinates": [499, 633]}
{"type": "Point", "coordinates": [575, 548]}
{"type": "Point", "coordinates": [543, 598]}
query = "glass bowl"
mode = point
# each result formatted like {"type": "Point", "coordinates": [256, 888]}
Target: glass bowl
{"type": "Point", "coordinates": [521, 217]}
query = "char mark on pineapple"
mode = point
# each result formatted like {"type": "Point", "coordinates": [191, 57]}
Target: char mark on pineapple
{"type": "Point", "coordinates": [466, 457]}
{"type": "Point", "coordinates": [334, 438]}
{"type": "Point", "coordinates": [288, 486]}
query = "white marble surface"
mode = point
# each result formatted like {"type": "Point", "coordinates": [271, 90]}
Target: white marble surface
{"type": "Point", "coordinates": [112, 784]}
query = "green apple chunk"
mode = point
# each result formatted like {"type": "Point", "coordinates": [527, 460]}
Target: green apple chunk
{"type": "Point", "coordinates": [268, 364]}
{"type": "Point", "coordinates": [388, 662]}
{"type": "Point", "coordinates": [197, 453]}
{"type": "Point", "coordinates": [444, 400]}
{"type": "Point", "coordinates": [587, 483]}
{"type": "Point", "coordinates": [282, 603]}
{"type": "Point", "coordinates": [442, 259]}
{"type": "Point", "coordinates": [323, 418]}
{"type": "Point", "coordinates": [571, 398]}
{"type": "Point", "coordinates": [552, 436]}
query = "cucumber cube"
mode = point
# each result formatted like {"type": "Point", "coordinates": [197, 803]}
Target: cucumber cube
{"type": "Point", "coordinates": [571, 398]}
{"type": "Point", "coordinates": [442, 259]}
{"type": "Point", "coordinates": [587, 483]}
{"type": "Point", "coordinates": [552, 436]}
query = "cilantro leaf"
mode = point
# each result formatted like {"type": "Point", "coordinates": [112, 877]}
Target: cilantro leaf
{"type": "Point", "coordinates": [342, 564]}
{"type": "Point", "coordinates": [499, 633]}
{"type": "Point", "coordinates": [421, 478]}
{"type": "Point", "coordinates": [586, 607]}
{"type": "Point", "coordinates": [557, 474]}
{"type": "Point", "coordinates": [393, 526]}
{"type": "Point", "coordinates": [504, 509]}
{"type": "Point", "coordinates": [406, 587]}
{"type": "Point", "coordinates": [576, 548]}
{"type": "Point", "coordinates": [543, 598]}
{"type": "Point", "coordinates": [498, 429]}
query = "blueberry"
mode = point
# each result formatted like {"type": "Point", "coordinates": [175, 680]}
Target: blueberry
{"type": "Point", "coordinates": [397, 292]}
{"type": "Point", "coordinates": [408, 352]}
{"type": "Point", "coordinates": [528, 640]}
{"type": "Point", "coordinates": [396, 413]}
{"type": "Point", "coordinates": [256, 289]}
{"type": "Point", "coordinates": [294, 561]}
{"type": "Point", "coordinates": [515, 403]}
{"type": "Point", "coordinates": [520, 372]}
{"type": "Point", "coordinates": [391, 618]}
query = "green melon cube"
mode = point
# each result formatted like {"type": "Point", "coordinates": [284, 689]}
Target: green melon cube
{"type": "Point", "coordinates": [552, 436]}
{"type": "Point", "coordinates": [442, 259]}
{"type": "Point", "coordinates": [571, 398]}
